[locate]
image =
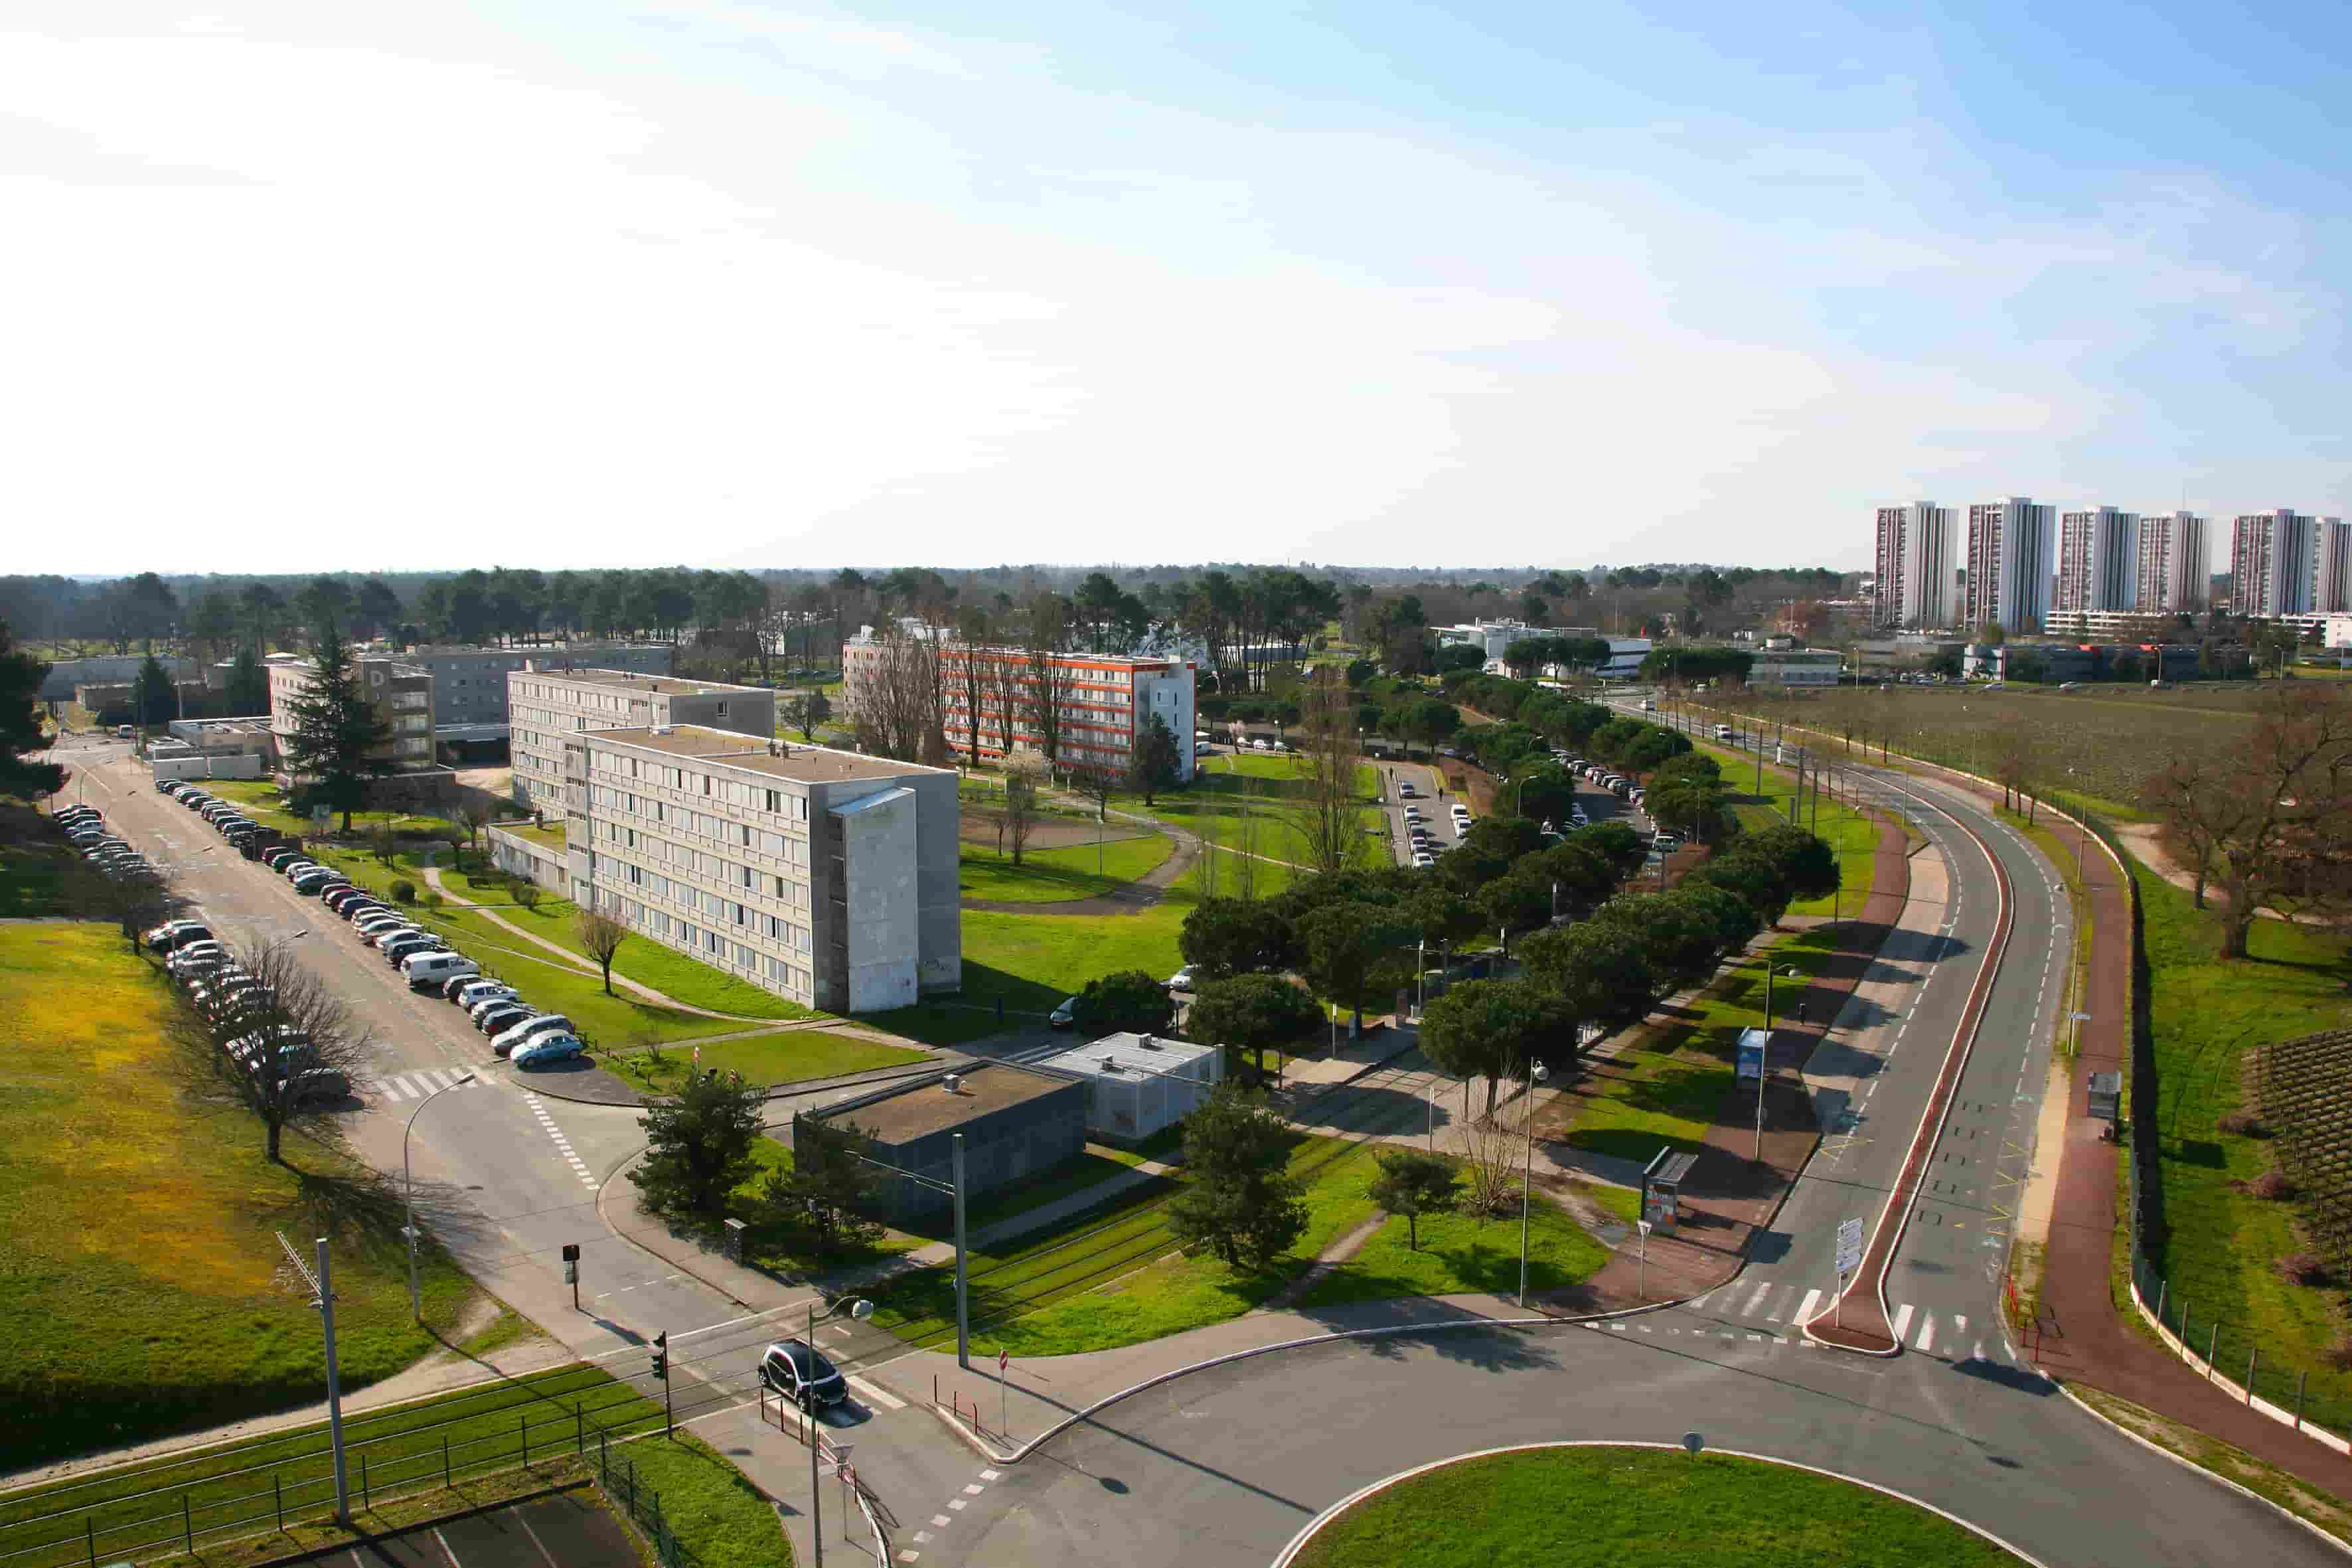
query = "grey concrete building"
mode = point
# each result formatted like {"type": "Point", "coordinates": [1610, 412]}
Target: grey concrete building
{"type": "Point", "coordinates": [1138, 1085]}
{"type": "Point", "coordinates": [58, 683]}
{"type": "Point", "coordinates": [1016, 1123]}
{"type": "Point", "coordinates": [545, 706]}
{"type": "Point", "coordinates": [400, 692]}
{"type": "Point", "coordinates": [826, 876]}
{"type": "Point", "coordinates": [469, 682]}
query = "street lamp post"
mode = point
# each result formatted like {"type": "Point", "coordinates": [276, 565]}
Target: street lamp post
{"type": "Point", "coordinates": [1537, 1073]}
{"type": "Point", "coordinates": [408, 1199]}
{"type": "Point", "coordinates": [1420, 978]}
{"type": "Point", "coordinates": [1764, 1065]}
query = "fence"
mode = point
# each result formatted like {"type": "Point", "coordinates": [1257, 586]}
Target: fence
{"type": "Point", "coordinates": [619, 1480]}
{"type": "Point", "coordinates": [98, 1521]}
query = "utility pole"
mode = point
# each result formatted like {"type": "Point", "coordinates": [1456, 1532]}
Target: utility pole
{"type": "Point", "coordinates": [322, 1289]}
{"type": "Point", "coordinates": [963, 1314]}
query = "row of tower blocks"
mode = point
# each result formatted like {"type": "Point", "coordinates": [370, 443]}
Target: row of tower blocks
{"type": "Point", "coordinates": [2026, 564]}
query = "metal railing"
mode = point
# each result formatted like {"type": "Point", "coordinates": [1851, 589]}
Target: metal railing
{"type": "Point", "coordinates": [258, 1499]}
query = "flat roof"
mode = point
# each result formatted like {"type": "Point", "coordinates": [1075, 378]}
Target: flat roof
{"type": "Point", "coordinates": [917, 1113]}
{"type": "Point", "coordinates": [1129, 1056]}
{"type": "Point", "coordinates": [803, 764]}
{"type": "Point", "coordinates": [669, 684]}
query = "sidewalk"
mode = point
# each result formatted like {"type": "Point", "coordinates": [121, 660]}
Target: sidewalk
{"type": "Point", "coordinates": [2083, 1336]}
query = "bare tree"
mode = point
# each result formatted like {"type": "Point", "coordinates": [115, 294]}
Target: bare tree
{"type": "Point", "coordinates": [1328, 817]}
{"type": "Point", "coordinates": [134, 901]}
{"type": "Point", "coordinates": [2195, 809]}
{"type": "Point", "coordinates": [895, 696]}
{"type": "Point", "coordinates": [473, 814]}
{"type": "Point", "coordinates": [601, 934]}
{"type": "Point", "coordinates": [271, 1034]}
{"type": "Point", "coordinates": [1023, 775]}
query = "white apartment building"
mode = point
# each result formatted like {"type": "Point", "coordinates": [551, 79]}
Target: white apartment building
{"type": "Point", "coordinates": [547, 707]}
{"type": "Point", "coordinates": [826, 876]}
{"type": "Point", "coordinates": [2174, 571]}
{"type": "Point", "coordinates": [1105, 702]}
{"type": "Point", "coordinates": [401, 693]}
{"type": "Point", "coordinates": [469, 682]}
{"type": "Point", "coordinates": [2098, 562]}
{"type": "Point", "coordinates": [2274, 559]}
{"type": "Point", "coordinates": [1919, 547]}
{"type": "Point", "coordinates": [1796, 667]}
{"type": "Point", "coordinates": [2009, 544]}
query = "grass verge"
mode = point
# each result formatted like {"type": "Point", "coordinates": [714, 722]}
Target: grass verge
{"type": "Point", "coordinates": [1665, 1088]}
{"type": "Point", "coordinates": [1460, 1254]}
{"type": "Point", "coordinates": [786, 1058]}
{"type": "Point", "coordinates": [1637, 1508]}
{"type": "Point", "coordinates": [145, 1284]}
{"type": "Point", "coordinates": [721, 1519]}
{"type": "Point", "coordinates": [1046, 876]}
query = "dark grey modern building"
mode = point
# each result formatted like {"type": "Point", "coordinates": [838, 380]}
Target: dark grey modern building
{"type": "Point", "coordinates": [1015, 1123]}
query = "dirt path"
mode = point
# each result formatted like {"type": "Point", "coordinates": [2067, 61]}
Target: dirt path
{"type": "Point", "coordinates": [2146, 841]}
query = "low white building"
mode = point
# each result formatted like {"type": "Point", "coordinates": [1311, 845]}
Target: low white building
{"type": "Point", "coordinates": [1796, 667]}
{"type": "Point", "coordinates": [1139, 1084]}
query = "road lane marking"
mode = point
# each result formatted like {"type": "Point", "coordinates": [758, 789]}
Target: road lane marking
{"type": "Point", "coordinates": [1927, 1331]}
{"type": "Point", "coordinates": [1805, 1308]}
{"type": "Point", "coordinates": [875, 1395]}
{"type": "Point", "coordinates": [1902, 1321]}
{"type": "Point", "coordinates": [1754, 1302]}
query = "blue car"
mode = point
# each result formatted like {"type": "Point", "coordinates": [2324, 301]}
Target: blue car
{"type": "Point", "coordinates": [545, 1051]}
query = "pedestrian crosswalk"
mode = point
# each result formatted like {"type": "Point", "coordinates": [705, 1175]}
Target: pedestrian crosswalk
{"type": "Point", "coordinates": [413, 1085]}
{"type": "Point", "coordinates": [1768, 1309]}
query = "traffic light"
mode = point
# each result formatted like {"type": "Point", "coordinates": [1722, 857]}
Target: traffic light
{"type": "Point", "coordinates": [661, 1355]}
{"type": "Point", "coordinates": [571, 1252]}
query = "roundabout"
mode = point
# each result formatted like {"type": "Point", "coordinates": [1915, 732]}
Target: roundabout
{"type": "Point", "coordinates": [1632, 1505]}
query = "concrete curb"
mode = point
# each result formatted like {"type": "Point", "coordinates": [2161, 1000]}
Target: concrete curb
{"type": "Point", "coordinates": [2186, 1463]}
{"type": "Point", "coordinates": [1315, 1525]}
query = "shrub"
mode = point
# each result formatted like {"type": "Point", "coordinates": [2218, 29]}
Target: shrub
{"type": "Point", "coordinates": [403, 891]}
{"type": "Point", "coordinates": [2271, 1183]}
{"type": "Point", "coordinates": [432, 900]}
{"type": "Point", "coordinates": [2303, 1268]}
{"type": "Point", "coordinates": [526, 894]}
{"type": "Point", "coordinates": [2244, 1123]}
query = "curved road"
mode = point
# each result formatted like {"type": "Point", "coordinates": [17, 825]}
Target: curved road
{"type": "Point", "coordinates": [1223, 1466]}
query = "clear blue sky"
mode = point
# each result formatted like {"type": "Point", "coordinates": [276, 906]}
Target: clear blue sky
{"type": "Point", "coordinates": [571, 283]}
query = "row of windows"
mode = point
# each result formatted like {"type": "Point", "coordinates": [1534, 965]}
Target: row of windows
{"type": "Point", "coordinates": [792, 850]}
{"type": "Point", "coordinates": [776, 928]}
{"type": "Point", "coordinates": [686, 859]}
{"type": "Point", "coordinates": [733, 792]}
{"type": "Point", "coordinates": [710, 946]}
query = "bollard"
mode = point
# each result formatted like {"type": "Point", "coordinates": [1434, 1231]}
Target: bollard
{"type": "Point", "coordinates": [2161, 1286]}
{"type": "Point", "coordinates": [2299, 1378]}
{"type": "Point", "coordinates": [2213, 1343]}
{"type": "Point", "coordinates": [445, 1481]}
{"type": "Point", "coordinates": [526, 1442]}
{"type": "Point", "coordinates": [278, 1488]}
{"type": "Point", "coordinates": [365, 1502]}
{"type": "Point", "coordinates": [187, 1526]}
{"type": "Point", "coordinates": [2249, 1374]}
{"type": "Point", "coordinates": [579, 1431]}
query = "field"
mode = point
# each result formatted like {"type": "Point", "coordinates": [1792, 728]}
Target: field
{"type": "Point", "coordinates": [1636, 1508]}
{"type": "Point", "coordinates": [145, 1289]}
{"type": "Point", "coordinates": [2096, 746]}
{"type": "Point", "coordinates": [762, 1058]}
{"type": "Point", "coordinates": [1666, 1087]}
{"type": "Point", "coordinates": [1076, 872]}
{"type": "Point", "coordinates": [2222, 1242]}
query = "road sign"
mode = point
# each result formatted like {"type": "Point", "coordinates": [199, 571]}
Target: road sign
{"type": "Point", "coordinates": [1750, 1060]}
{"type": "Point", "coordinates": [1003, 1359]}
{"type": "Point", "coordinates": [1849, 1246]}
{"type": "Point", "coordinates": [1693, 1442]}
{"type": "Point", "coordinates": [1642, 1226]}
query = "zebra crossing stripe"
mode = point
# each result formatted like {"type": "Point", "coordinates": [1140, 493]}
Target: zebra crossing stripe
{"type": "Point", "coordinates": [1902, 1321]}
{"type": "Point", "coordinates": [1927, 1331]}
{"type": "Point", "coordinates": [1805, 1308]}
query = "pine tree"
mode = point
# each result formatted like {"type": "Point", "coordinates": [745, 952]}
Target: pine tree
{"type": "Point", "coordinates": [152, 693]}
{"type": "Point", "coordinates": [248, 684]}
{"type": "Point", "coordinates": [699, 1147]}
{"type": "Point", "coordinates": [20, 724]}
{"type": "Point", "coordinates": [1239, 1199]}
{"type": "Point", "coordinates": [335, 728]}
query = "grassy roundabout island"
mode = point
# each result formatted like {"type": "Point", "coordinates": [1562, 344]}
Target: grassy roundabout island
{"type": "Point", "coordinates": [1632, 1507]}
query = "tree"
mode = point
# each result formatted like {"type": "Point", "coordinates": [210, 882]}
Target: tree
{"type": "Point", "coordinates": [1239, 1199]}
{"type": "Point", "coordinates": [1599, 969]}
{"type": "Point", "coordinates": [1345, 944]}
{"type": "Point", "coordinates": [1992, 634]}
{"type": "Point", "coordinates": [1546, 793]}
{"type": "Point", "coordinates": [1252, 1013]}
{"type": "Point", "coordinates": [1487, 1028]}
{"type": "Point", "coordinates": [20, 724]}
{"type": "Point", "coordinates": [1224, 937]}
{"type": "Point", "coordinates": [2191, 798]}
{"type": "Point", "coordinates": [260, 1040]}
{"type": "Point", "coordinates": [805, 710]}
{"type": "Point", "coordinates": [1156, 763]}
{"type": "Point", "coordinates": [335, 728]}
{"type": "Point", "coordinates": [602, 935]}
{"type": "Point", "coordinates": [1681, 942]}
{"type": "Point", "coordinates": [1328, 818]}
{"type": "Point", "coordinates": [1804, 859]}
{"type": "Point", "coordinates": [132, 899]}
{"type": "Point", "coordinates": [1430, 720]}
{"type": "Point", "coordinates": [1024, 771]}
{"type": "Point", "coordinates": [2281, 797]}
{"type": "Point", "coordinates": [1413, 1183]}
{"type": "Point", "coordinates": [1460, 656]}
{"type": "Point", "coordinates": [211, 624]}
{"type": "Point", "coordinates": [1753, 877]}
{"type": "Point", "coordinates": [247, 695]}
{"type": "Point", "coordinates": [152, 694]}
{"type": "Point", "coordinates": [1126, 1001]}
{"type": "Point", "coordinates": [826, 1191]}
{"type": "Point", "coordinates": [1518, 900]}
{"type": "Point", "coordinates": [700, 1146]}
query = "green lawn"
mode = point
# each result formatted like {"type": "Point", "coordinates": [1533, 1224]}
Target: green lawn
{"type": "Point", "coordinates": [260, 800]}
{"type": "Point", "coordinates": [1637, 1508]}
{"type": "Point", "coordinates": [1459, 1254]}
{"type": "Point", "coordinates": [1046, 876]}
{"type": "Point", "coordinates": [1090, 1168]}
{"type": "Point", "coordinates": [402, 1445]}
{"type": "Point", "coordinates": [551, 837]}
{"type": "Point", "coordinates": [2207, 1013]}
{"type": "Point", "coordinates": [784, 1057]}
{"type": "Point", "coordinates": [1666, 1087]}
{"type": "Point", "coordinates": [138, 1219]}
{"type": "Point", "coordinates": [721, 1519]}
{"type": "Point", "coordinates": [35, 863]}
{"type": "Point", "coordinates": [1851, 832]}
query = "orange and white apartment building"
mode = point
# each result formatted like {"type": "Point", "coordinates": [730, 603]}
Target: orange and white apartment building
{"type": "Point", "coordinates": [1106, 699]}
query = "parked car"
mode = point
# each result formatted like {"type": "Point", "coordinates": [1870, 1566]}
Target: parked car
{"type": "Point", "coordinates": [799, 1371]}
{"type": "Point", "coordinates": [173, 934]}
{"type": "Point", "coordinates": [432, 972]}
{"type": "Point", "coordinates": [289, 870]}
{"type": "Point", "coordinates": [204, 951]}
{"type": "Point", "coordinates": [515, 1034]}
{"type": "Point", "coordinates": [1065, 1016]}
{"type": "Point", "coordinates": [371, 926]}
{"type": "Point", "coordinates": [471, 993]}
{"type": "Point", "coordinates": [342, 898]}
{"type": "Point", "coordinates": [313, 879]}
{"type": "Point", "coordinates": [1180, 981]}
{"type": "Point", "coordinates": [274, 858]}
{"type": "Point", "coordinates": [546, 1050]}
{"type": "Point", "coordinates": [395, 948]}
{"type": "Point", "coordinates": [1422, 859]}
{"type": "Point", "coordinates": [493, 1016]}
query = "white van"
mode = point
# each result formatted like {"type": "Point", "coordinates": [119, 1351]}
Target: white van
{"type": "Point", "coordinates": [430, 971]}
{"type": "Point", "coordinates": [1723, 732]}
